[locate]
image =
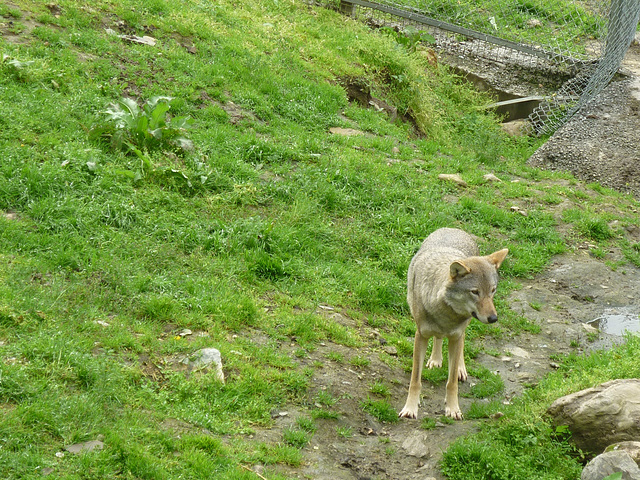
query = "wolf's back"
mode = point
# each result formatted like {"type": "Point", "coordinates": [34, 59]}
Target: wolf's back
{"type": "Point", "coordinates": [447, 240]}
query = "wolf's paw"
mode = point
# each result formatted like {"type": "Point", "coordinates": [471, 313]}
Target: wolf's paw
{"type": "Point", "coordinates": [454, 413]}
{"type": "Point", "coordinates": [408, 412]}
{"type": "Point", "coordinates": [462, 374]}
{"type": "Point", "coordinates": [434, 363]}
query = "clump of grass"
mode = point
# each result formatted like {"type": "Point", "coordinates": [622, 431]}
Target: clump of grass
{"type": "Point", "coordinates": [428, 423]}
{"type": "Point", "coordinates": [344, 432]}
{"type": "Point", "coordinates": [489, 384]}
{"type": "Point", "coordinates": [596, 229]}
{"type": "Point", "coordinates": [379, 388]}
{"type": "Point", "coordinates": [380, 409]}
{"type": "Point", "coordinates": [296, 438]}
{"type": "Point", "coordinates": [360, 361]}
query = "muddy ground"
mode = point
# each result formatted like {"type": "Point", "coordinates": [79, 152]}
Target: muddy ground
{"type": "Point", "coordinates": [599, 144]}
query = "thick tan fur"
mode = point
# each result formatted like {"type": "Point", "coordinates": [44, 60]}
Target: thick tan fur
{"type": "Point", "coordinates": [448, 284]}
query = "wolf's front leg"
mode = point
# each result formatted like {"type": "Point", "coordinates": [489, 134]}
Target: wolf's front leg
{"type": "Point", "coordinates": [452, 409]}
{"type": "Point", "coordinates": [410, 409]}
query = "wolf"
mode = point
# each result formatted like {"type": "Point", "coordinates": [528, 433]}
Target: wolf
{"type": "Point", "coordinates": [448, 284]}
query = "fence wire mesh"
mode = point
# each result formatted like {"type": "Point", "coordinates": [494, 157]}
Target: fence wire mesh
{"type": "Point", "coordinates": [584, 41]}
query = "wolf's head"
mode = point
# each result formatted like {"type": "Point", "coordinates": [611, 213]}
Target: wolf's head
{"type": "Point", "coordinates": [473, 284]}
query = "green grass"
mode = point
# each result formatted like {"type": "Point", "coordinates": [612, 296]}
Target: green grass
{"type": "Point", "coordinates": [106, 255]}
{"type": "Point", "coordinates": [563, 25]}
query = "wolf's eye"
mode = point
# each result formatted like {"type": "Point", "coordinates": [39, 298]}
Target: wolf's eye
{"type": "Point", "coordinates": [475, 291]}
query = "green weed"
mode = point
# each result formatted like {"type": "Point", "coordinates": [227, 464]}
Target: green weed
{"type": "Point", "coordinates": [144, 129]}
{"type": "Point", "coordinates": [381, 410]}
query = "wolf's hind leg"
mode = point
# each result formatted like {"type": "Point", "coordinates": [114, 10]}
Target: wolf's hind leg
{"type": "Point", "coordinates": [435, 360]}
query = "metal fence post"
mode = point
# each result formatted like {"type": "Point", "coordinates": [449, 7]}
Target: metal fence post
{"type": "Point", "coordinates": [347, 8]}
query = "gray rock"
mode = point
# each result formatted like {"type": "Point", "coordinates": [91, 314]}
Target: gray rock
{"type": "Point", "coordinates": [205, 359]}
{"type": "Point", "coordinates": [601, 416]}
{"type": "Point", "coordinates": [78, 448]}
{"type": "Point", "coordinates": [416, 446]}
{"type": "Point", "coordinates": [632, 448]}
{"type": "Point", "coordinates": [611, 462]}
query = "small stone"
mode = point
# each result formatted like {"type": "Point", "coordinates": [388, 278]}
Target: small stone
{"type": "Point", "coordinates": [89, 446]}
{"type": "Point", "coordinates": [452, 177]}
{"type": "Point", "coordinates": [490, 177]}
{"type": "Point", "coordinates": [205, 358]}
{"type": "Point", "coordinates": [416, 446]}
{"type": "Point", "coordinates": [518, 352]}
{"type": "Point", "coordinates": [534, 23]}
{"type": "Point", "coordinates": [391, 350]}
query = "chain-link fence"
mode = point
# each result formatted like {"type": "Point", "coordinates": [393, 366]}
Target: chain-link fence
{"type": "Point", "coordinates": [584, 41]}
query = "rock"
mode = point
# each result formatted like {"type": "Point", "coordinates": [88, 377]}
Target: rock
{"type": "Point", "coordinates": [89, 446]}
{"type": "Point", "coordinates": [632, 448]}
{"type": "Point", "coordinates": [518, 352]}
{"type": "Point", "coordinates": [490, 177]}
{"type": "Point", "coordinates": [391, 350]}
{"type": "Point", "coordinates": [452, 177]}
{"type": "Point", "coordinates": [600, 416]}
{"type": "Point", "coordinates": [517, 209]}
{"type": "Point", "coordinates": [611, 462]}
{"type": "Point", "coordinates": [534, 23]}
{"type": "Point", "coordinates": [516, 128]}
{"type": "Point", "coordinates": [205, 358]}
{"type": "Point", "coordinates": [416, 446]}
{"type": "Point", "coordinates": [144, 40]}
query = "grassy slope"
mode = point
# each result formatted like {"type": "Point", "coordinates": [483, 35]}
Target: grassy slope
{"type": "Point", "coordinates": [278, 217]}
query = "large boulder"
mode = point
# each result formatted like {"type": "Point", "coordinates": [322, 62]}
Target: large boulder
{"type": "Point", "coordinates": [611, 462]}
{"type": "Point", "coordinates": [600, 416]}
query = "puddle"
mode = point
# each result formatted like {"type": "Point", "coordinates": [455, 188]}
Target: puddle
{"type": "Point", "coordinates": [616, 321]}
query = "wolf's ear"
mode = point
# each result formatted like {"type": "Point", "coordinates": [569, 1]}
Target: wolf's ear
{"type": "Point", "coordinates": [498, 257]}
{"type": "Point", "coordinates": [458, 270]}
